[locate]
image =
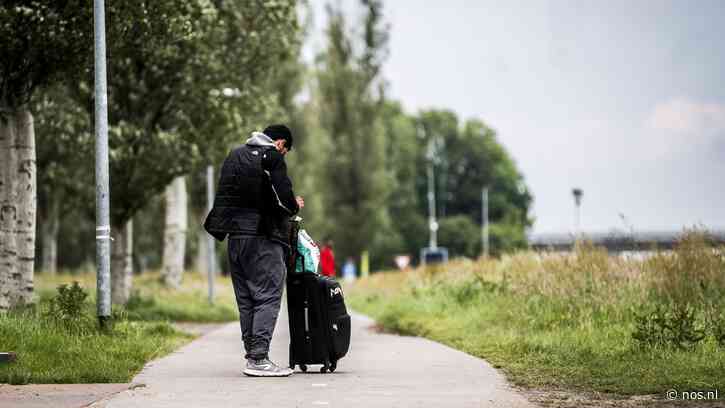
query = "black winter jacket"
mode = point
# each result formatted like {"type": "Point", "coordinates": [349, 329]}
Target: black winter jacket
{"type": "Point", "coordinates": [254, 196]}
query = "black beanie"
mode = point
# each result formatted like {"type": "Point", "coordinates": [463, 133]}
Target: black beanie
{"type": "Point", "coordinates": [276, 132]}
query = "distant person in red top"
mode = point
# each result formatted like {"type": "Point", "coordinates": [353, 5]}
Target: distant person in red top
{"type": "Point", "coordinates": [327, 259]}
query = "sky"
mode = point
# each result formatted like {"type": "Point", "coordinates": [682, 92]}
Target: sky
{"type": "Point", "coordinates": [623, 99]}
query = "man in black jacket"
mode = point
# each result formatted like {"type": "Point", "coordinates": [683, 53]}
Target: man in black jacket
{"type": "Point", "coordinates": [252, 207]}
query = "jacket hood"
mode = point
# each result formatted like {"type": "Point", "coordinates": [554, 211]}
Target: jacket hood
{"type": "Point", "coordinates": [260, 139]}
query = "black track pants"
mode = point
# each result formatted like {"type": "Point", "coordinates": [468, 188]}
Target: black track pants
{"type": "Point", "coordinates": [258, 274]}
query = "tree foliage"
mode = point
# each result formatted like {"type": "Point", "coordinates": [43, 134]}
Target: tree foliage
{"type": "Point", "coordinates": [349, 92]}
{"type": "Point", "coordinates": [184, 79]}
{"type": "Point", "coordinates": [40, 42]}
{"type": "Point", "coordinates": [63, 136]}
{"type": "Point", "coordinates": [364, 160]}
{"type": "Point", "coordinates": [184, 93]}
{"type": "Point", "coordinates": [189, 79]}
{"type": "Point", "coordinates": [468, 158]}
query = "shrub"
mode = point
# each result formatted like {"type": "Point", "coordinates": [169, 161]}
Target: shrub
{"type": "Point", "coordinates": [677, 325]}
{"type": "Point", "coordinates": [468, 291]}
{"type": "Point", "coordinates": [69, 309]}
{"type": "Point", "coordinates": [718, 331]}
{"type": "Point", "coordinates": [461, 236]}
{"type": "Point", "coordinates": [715, 318]}
{"type": "Point", "coordinates": [69, 302]}
{"type": "Point", "coordinates": [507, 237]}
{"type": "Point", "coordinates": [684, 286]}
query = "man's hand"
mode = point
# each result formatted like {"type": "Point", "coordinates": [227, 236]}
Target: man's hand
{"type": "Point", "coordinates": [281, 146]}
{"type": "Point", "coordinates": [300, 202]}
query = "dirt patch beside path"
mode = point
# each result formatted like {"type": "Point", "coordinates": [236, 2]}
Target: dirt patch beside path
{"type": "Point", "coordinates": [569, 399]}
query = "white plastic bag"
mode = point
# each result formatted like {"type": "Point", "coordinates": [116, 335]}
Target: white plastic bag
{"type": "Point", "coordinates": [308, 257]}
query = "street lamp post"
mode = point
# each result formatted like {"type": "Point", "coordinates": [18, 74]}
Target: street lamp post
{"type": "Point", "coordinates": [577, 193]}
{"type": "Point", "coordinates": [433, 253]}
{"type": "Point", "coordinates": [103, 227]}
{"type": "Point", "coordinates": [484, 221]}
{"type": "Point", "coordinates": [432, 222]}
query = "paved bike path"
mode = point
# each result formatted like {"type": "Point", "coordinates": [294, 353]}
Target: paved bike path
{"type": "Point", "coordinates": [381, 370]}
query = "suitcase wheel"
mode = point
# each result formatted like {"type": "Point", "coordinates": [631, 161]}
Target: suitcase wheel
{"type": "Point", "coordinates": [303, 367]}
{"type": "Point", "coordinates": [323, 369]}
{"type": "Point", "coordinates": [333, 366]}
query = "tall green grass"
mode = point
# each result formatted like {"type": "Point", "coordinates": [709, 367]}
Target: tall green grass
{"type": "Point", "coordinates": [582, 321]}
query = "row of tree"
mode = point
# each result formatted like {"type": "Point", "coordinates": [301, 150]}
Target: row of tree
{"type": "Point", "coordinates": [187, 81]}
{"type": "Point", "coordinates": [184, 77]}
{"type": "Point", "coordinates": [362, 161]}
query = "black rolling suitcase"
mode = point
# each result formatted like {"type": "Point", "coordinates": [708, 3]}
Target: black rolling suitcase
{"type": "Point", "coordinates": [318, 321]}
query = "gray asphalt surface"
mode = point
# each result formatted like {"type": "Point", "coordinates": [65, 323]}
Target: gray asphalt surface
{"type": "Point", "coordinates": [381, 370]}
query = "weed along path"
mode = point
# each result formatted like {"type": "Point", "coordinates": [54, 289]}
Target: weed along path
{"type": "Point", "coordinates": [381, 370]}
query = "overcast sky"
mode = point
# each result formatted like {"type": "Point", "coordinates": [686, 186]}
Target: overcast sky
{"type": "Point", "coordinates": [625, 99]}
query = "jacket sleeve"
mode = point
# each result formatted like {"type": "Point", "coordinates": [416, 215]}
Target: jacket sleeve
{"type": "Point", "coordinates": [273, 164]}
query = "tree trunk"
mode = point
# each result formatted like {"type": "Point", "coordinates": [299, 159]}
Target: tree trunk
{"type": "Point", "coordinates": [175, 232]}
{"type": "Point", "coordinates": [121, 263]}
{"type": "Point", "coordinates": [17, 207]}
{"type": "Point", "coordinates": [8, 211]}
{"type": "Point", "coordinates": [49, 230]}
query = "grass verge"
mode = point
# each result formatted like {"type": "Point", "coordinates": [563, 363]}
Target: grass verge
{"type": "Point", "coordinates": [584, 322]}
{"type": "Point", "coordinates": [60, 342]}
{"type": "Point", "coordinates": [50, 353]}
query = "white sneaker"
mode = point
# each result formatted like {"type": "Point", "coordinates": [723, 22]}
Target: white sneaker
{"type": "Point", "coordinates": [265, 368]}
